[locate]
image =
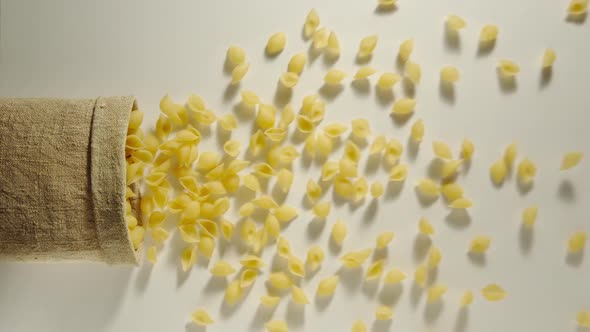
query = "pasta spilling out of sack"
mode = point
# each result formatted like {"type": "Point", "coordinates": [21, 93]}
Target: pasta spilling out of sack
{"type": "Point", "coordinates": [174, 184]}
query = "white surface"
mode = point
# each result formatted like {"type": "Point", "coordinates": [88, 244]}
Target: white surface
{"type": "Point", "coordinates": [149, 48]}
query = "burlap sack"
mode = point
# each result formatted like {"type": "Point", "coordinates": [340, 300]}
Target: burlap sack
{"type": "Point", "coordinates": [62, 180]}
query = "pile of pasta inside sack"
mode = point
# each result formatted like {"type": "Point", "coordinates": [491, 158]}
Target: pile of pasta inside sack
{"type": "Point", "coordinates": [209, 180]}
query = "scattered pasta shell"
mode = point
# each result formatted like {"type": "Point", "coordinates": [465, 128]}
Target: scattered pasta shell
{"type": "Point", "coordinates": [233, 292]}
{"type": "Point", "coordinates": [152, 254]}
{"type": "Point", "coordinates": [384, 239]}
{"type": "Point", "coordinates": [280, 280]}
{"type": "Point", "coordinates": [364, 72]}
{"type": "Point", "coordinates": [435, 292]}
{"type": "Point", "coordinates": [284, 179]}
{"type": "Point", "coordinates": [571, 159]}
{"type": "Point", "coordinates": [276, 326]}
{"type": "Point", "coordinates": [461, 203]}
{"type": "Point", "coordinates": [272, 225]}
{"type": "Point", "coordinates": [227, 229]}
{"type": "Point", "coordinates": [297, 63]}
{"type": "Point", "coordinates": [327, 286]}
{"type": "Point", "coordinates": [171, 109]}
{"type": "Point", "coordinates": [577, 7]}
{"type": "Point", "coordinates": [283, 247]}
{"type": "Point", "coordinates": [206, 246]}
{"type": "Point", "coordinates": [319, 38]}
{"type": "Point", "coordinates": [434, 257]}
{"type": "Point", "coordinates": [266, 116]}
{"type": "Point", "coordinates": [413, 72]}
{"type": "Point", "coordinates": [343, 186]}
{"type": "Point", "coordinates": [377, 189]}
{"type": "Point", "coordinates": [334, 130]}
{"type": "Point", "coordinates": [425, 227]}
{"type": "Point", "coordinates": [526, 171]}
{"type": "Point", "coordinates": [333, 46]}
{"type": "Point", "coordinates": [577, 242]}
{"type": "Point", "coordinates": [334, 76]}
{"type": "Point", "coordinates": [324, 145]}
{"type": "Point", "coordinates": [354, 259]}
{"type": "Point", "coordinates": [263, 170]}
{"type": "Point", "coordinates": [222, 269]}
{"type": "Point", "coordinates": [508, 68]}
{"type": "Point", "coordinates": [442, 150]}
{"type": "Point", "coordinates": [488, 33]}
{"type": "Point", "coordinates": [228, 122]}
{"type": "Point", "coordinates": [360, 188]}
{"type": "Point", "coordinates": [232, 148]}
{"type": "Point", "coordinates": [329, 170]}
{"type": "Point", "coordinates": [315, 257]}
{"type": "Point", "coordinates": [529, 216]}
{"type": "Point", "coordinates": [312, 21]}
{"type": "Point", "coordinates": [466, 298]}
{"type": "Point", "coordinates": [378, 144]}
{"type": "Point", "coordinates": [467, 149]}
{"type": "Point", "coordinates": [387, 80]}
{"type": "Point", "coordinates": [265, 202]}
{"type": "Point", "coordinates": [405, 49]}
{"type": "Point", "coordinates": [285, 213]}
{"type": "Point", "coordinates": [384, 313]}
{"type": "Point", "coordinates": [510, 154]}
{"type": "Point", "coordinates": [249, 98]}
{"type": "Point", "coordinates": [314, 191]}
{"type": "Point", "coordinates": [451, 191]}
{"type": "Point", "coordinates": [493, 292]}
{"type": "Point", "coordinates": [289, 79]}
{"type": "Point", "coordinates": [455, 23]}
{"type": "Point", "coordinates": [480, 244]}
{"type": "Point", "coordinates": [133, 142]}
{"type": "Point", "coordinates": [238, 73]}
{"type": "Point", "coordinates": [403, 106]}
{"type": "Point", "coordinates": [236, 55]}
{"type": "Point", "coordinates": [251, 182]}
{"type": "Point", "coordinates": [246, 209]}
{"type": "Point", "coordinates": [304, 124]}
{"type": "Point", "coordinates": [427, 187]}
{"type": "Point", "coordinates": [367, 46]}
{"type": "Point", "coordinates": [160, 235]}
{"type": "Point", "coordinates": [322, 209]}
{"type": "Point", "coordinates": [269, 301]}
{"type": "Point", "coordinates": [498, 171]}
{"type": "Point", "coordinates": [375, 270]}
{"type": "Point", "coordinates": [247, 277]}
{"type": "Point", "coordinates": [360, 128]}
{"type": "Point", "coordinates": [420, 275]}
{"type": "Point", "coordinates": [394, 276]}
{"type": "Point", "coordinates": [296, 266]}
{"type": "Point", "coordinates": [417, 131]}
{"type": "Point", "coordinates": [276, 43]}
{"type": "Point", "coordinates": [252, 262]}
{"type": "Point", "coordinates": [583, 318]}
{"type": "Point", "coordinates": [298, 295]}
{"type": "Point", "coordinates": [339, 231]}
{"type": "Point", "coordinates": [137, 234]}
{"type": "Point", "coordinates": [351, 150]}
{"type": "Point", "coordinates": [202, 317]}
{"type": "Point", "coordinates": [188, 258]}
{"type": "Point", "coordinates": [358, 326]}
{"type": "Point", "coordinates": [348, 168]}
{"type": "Point", "coordinates": [450, 168]}
{"type": "Point", "coordinates": [549, 57]}
{"type": "Point", "coordinates": [449, 74]}
{"type": "Point", "coordinates": [398, 173]}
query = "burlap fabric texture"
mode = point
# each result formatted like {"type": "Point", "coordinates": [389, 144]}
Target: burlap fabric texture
{"type": "Point", "coordinates": [62, 180]}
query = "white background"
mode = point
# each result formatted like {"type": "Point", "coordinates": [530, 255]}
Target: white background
{"type": "Point", "coordinates": [71, 48]}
